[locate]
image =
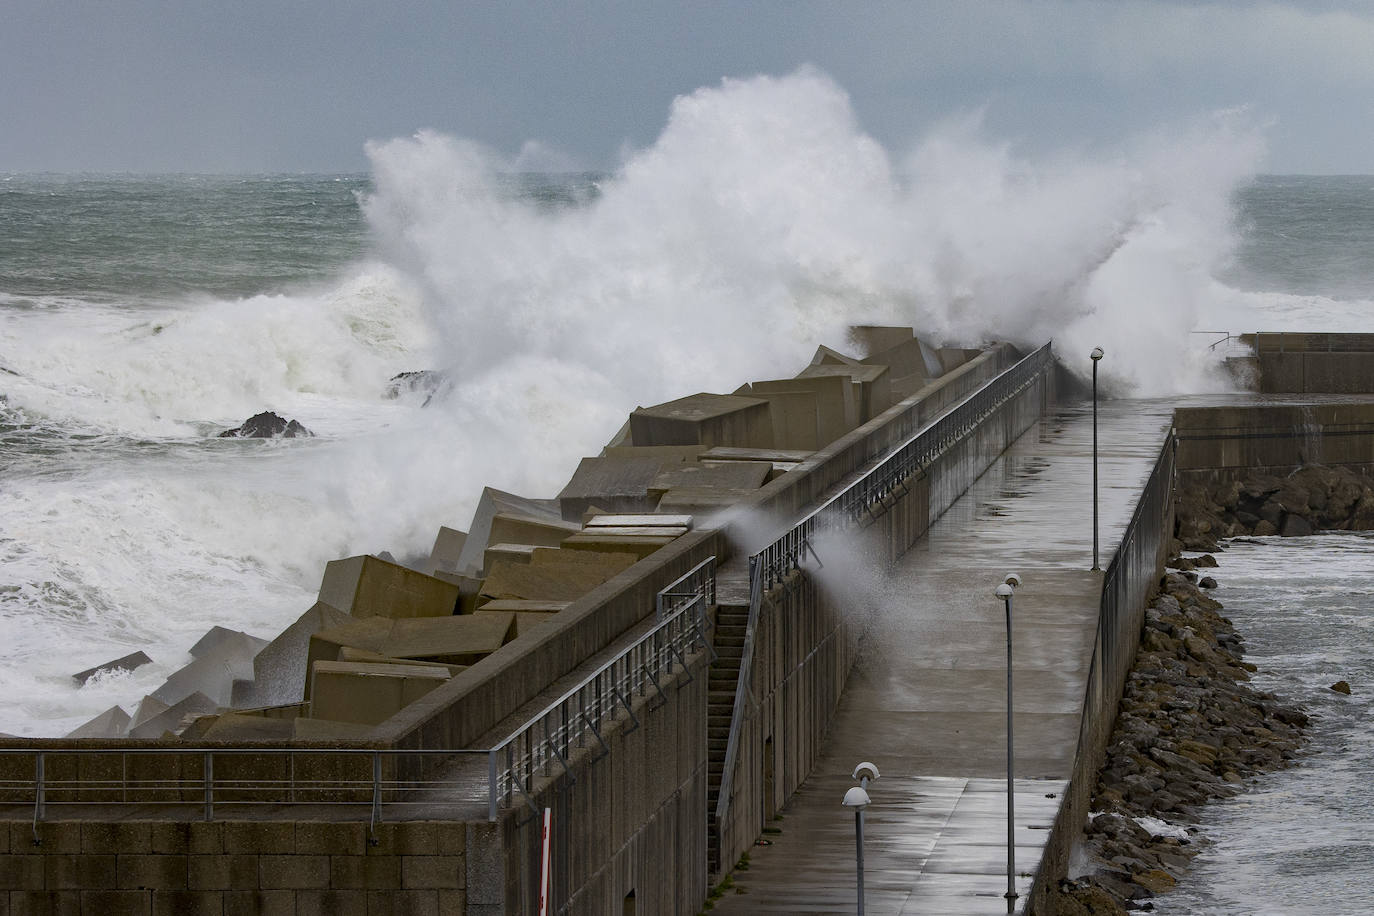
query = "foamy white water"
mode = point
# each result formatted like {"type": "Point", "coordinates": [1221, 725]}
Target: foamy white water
{"type": "Point", "coordinates": [763, 221]}
{"type": "Point", "coordinates": [1299, 841]}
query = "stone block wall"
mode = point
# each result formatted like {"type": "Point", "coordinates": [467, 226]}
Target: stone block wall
{"type": "Point", "coordinates": [232, 867]}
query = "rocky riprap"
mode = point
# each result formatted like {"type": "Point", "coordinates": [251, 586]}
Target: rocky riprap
{"type": "Point", "coordinates": [1312, 498]}
{"type": "Point", "coordinates": [1189, 729]}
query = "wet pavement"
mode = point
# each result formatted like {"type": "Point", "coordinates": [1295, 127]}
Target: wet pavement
{"type": "Point", "coordinates": [926, 701]}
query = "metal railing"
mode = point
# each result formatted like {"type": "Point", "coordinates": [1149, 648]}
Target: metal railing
{"type": "Point", "coordinates": [206, 780]}
{"type": "Point", "coordinates": [186, 781]}
{"type": "Point", "coordinates": [1125, 585]}
{"type": "Point", "coordinates": [575, 719]}
{"type": "Point", "coordinates": [872, 486]}
{"type": "Point", "coordinates": [888, 474]}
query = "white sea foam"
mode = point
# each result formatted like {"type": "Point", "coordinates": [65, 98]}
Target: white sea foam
{"type": "Point", "coordinates": [761, 222]}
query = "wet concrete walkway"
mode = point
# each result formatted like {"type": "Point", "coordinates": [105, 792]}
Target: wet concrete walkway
{"type": "Point", "coordinates": [927, 700]}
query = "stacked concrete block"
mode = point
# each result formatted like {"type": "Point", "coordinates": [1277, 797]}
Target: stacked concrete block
{"type": "Point", "coordinates": [368, 693]}
{"type": "Point", "coordinates": [173, 718]}
{"type": "Point", "coordinates": [530, 615]}
{"type": "Point", "coordinates": [279, 670]}
{"type": "Point", "coordinates": [448, 547]}
{"type": "Point", "coordinates": [836, 410]}
{"type": "Point", "coordinates": [795, 418]}
{"type": "Point", "coordinates": [565, 574]}
{"type": "Point", "coordinates": [666, 454]}
{"type": "Point", "coordinates": [491, 503]}
{"type": "Point", "coordinates": [781, 460]}
{"type": "Point", "coordinates": [952, 358]}
{"type": "Point", "coordinates": [870, 338]}
{"type": "Point", "coordinates": [912, 360]}
{"type": "Point", "coordinates": [704, 419]}
{"type": "Point", "coordinates": [614, 484]}
{"type": "Point", "coordinates": [872, 387]}
{"type": "Point", "coordinates": [455, 640]}
{"type": "Point", "coordinates": [221, 658]}
{"type": "Point", "coordinates": [112, 723]}
{"type": "Point", "coordinates": [367, 586]}
{"type": "Point", "coordinates": [735, 475]}
{"type": "Point", "coordinates": [126, 663]}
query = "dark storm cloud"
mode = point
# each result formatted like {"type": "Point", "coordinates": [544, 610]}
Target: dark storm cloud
{"type": "Point", "coordinates": [255, 85]}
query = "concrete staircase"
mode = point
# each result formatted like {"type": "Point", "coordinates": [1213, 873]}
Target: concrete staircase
{"type": "Point", "coordinates": [731, 622]}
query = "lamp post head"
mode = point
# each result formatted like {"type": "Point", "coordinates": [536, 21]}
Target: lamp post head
{"type": "Point", "coordinates": [1096, 354]}
{"type": "Point", "coordinates": [856, 798]}
{"type": "Point", "coordinates": [1013, 580]}
{"type": "Point", "coordinates": [866, 770]}
{"type": "Point", "coordinates": [1004, 592]}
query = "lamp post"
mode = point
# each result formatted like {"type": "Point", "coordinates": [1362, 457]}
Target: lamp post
{"type": "Point", "coordinates": [857, 799]}
{"type": "Point", "coordinates": [1004, 592]}
{"type": "Point", "coordinates": [1096, 356]}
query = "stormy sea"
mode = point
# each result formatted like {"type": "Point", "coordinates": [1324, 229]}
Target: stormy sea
{"type": "Point", "coordinates": [141, 315]}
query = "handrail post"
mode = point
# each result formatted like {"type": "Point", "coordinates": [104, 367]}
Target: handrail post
{"type": "Point", "coordinates": [209, 772]}
{"type": "Point", "coordinates": [376, 796]}
{"type": "Point", "coordinates": [491, 785]}
{"type": "Point", "coordinates": [38, 796]}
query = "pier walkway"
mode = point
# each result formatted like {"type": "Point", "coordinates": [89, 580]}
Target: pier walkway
{"type": "Point", "coordinates": [926, 702]}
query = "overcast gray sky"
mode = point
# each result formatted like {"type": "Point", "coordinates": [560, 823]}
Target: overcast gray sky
{"type": "Point", "coordinates": [301, 85]}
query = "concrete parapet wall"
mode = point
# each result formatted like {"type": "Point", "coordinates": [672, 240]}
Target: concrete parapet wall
{"type": "Point", "coordinates": [1130, 580]}
{"type": "Point", "coordinates": [147, 867]}
{"type": "Point", "coordinates": [1276, 439]}
{"type": "Point", "coordinates": [628, 821]}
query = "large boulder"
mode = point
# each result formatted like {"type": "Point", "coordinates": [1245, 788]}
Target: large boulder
{"type": "Point", "coordinates": [267, 425]}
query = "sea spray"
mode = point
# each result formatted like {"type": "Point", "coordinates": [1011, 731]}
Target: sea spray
{"type": "Point", "coordinates": [762, 221]}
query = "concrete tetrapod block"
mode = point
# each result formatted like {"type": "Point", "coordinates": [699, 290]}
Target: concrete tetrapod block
{"type": "Point", "coordinates": [872, 386]}
{"type": "Point", "coordinates": [511, 528]}
{"type": "Point", "coordinates": [368, 694]}
{"type": "Point", "coordinates": [796, 419]}
{"type": "Point", "coordinates": [112, 723]}
{"type": "Point", "coordinates": [145, 710]}
{"type": "Point", "coordinates": [217, 635]}
{"type": "Point", "coordinates": [836, 411]}
{"type": "Point", "coordinates": [638, 521]}
{"type": "Point", "coordinates": [704, 419]}
{"type": "Point", "coordinates": [213, 674]}
{"type": "Point", "coordinates": [703, 502]}
{"type": "Point", "coordinates": [825, 356]}
{"type": "Point", "coordinates": [448, 547]}
{"type": "Point", "coordinates": [953, 357]}
{"type": "Point", "coordinates": [782, 459]}
{"type": "Point", "coordinates": [350, 654]}
{"type": "Point", "coordinates": [515, 553]}
{"type": "Point", "coordinates": [613, 484]}
{"type": "Point", "coordinates": [324, 645]}
{"type": "Point", "coordinates": [127, 663]}
{"type": "Point", "coordinates": [489, 504]}
{"type": "Point", "coordinates": [913, 357]}
{"type": "Point", "coordinates": [469, 590]}
{"type": "Point", "coordinates": [462, 640]}
{"type": "Point", "coordinates": [279, 670]}
{"type": "Point", "coordinates": [639, 545]}
{"type": "Point", "coordinates": [666, 454]}
{"type": "Point", "coordinates": [734, 475]}
{"type": "Point", "coordinates": [557, 578]}
{"type": "Point", "coordinates": [525, 621]}
{"type": "Point", "coordinates": [874, 338]}
{"type": "Point", "coordinates": [172, 718]}
{"type": "Point", "coordinates": [366, 586]}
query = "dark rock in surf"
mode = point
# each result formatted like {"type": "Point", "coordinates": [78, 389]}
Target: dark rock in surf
{"type": "Point", "coordinates": [267, 425]}
{"type": "Point", "coordinates": [127, 663]}
{"type": "Point", "coordinates": [1341, 687]}
{"type": "Point", "coordinates": [428, 382]}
